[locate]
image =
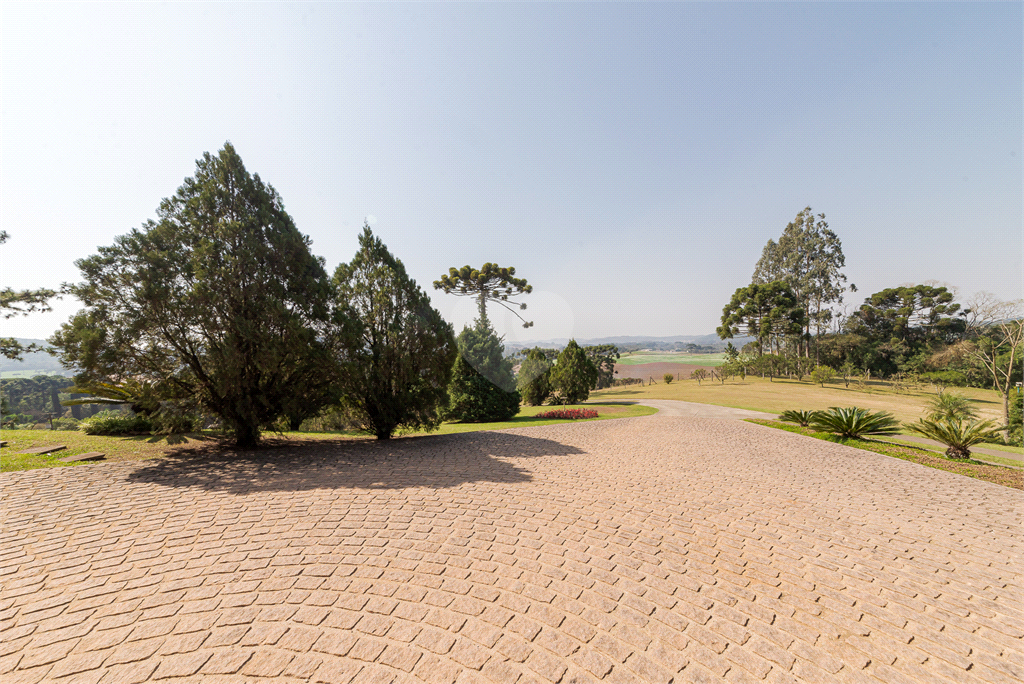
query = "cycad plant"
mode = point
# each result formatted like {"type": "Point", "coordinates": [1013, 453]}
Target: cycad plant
{"type": "Point", "coordinates": [801, 418]}
{"type": "Point", "coordinates": [958, 435]}
{"type": "Point", "coordinates": [854, 422]}
{"type": "Point", "coordinates": [951, 406]}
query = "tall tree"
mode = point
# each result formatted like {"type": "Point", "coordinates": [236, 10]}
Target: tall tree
{"type": "Point", "coordinates": [603, 356]}
{"type": "Point", "coordinates": [396, 350]}
{"type": "Point", "coordinates": [767, 312]}
{"type": "Point", "coordinates": [490, 283]}
{"type": "Point", "coordinates": [918, 313]}
{"type": "Point", "coordinates": [574, 375]}
{"type": "Point", "coordinates": [219, 300]}
{"type": "Point", "coordinates": [534, 378]}
{"type": "Point", "coordinates": [20, 303]}
{"type": "Point", "coordinates": [809, 258]}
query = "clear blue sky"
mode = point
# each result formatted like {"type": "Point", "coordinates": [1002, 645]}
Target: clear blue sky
{"type": "Point", "coordinates": [631, 160]}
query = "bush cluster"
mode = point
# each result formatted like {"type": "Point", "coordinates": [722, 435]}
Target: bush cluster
{"type": "Point", "coordinates": [568, 414]}
{"type": "Point", "coordinates": [116, 423]}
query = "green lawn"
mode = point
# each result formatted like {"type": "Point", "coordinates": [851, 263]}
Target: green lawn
{"type": "Point", "coordinates": [638, 358]}
{"type": "Point", "coordinates": [153, 446]}
{"type": "Point", "coordinates": [920, 453]}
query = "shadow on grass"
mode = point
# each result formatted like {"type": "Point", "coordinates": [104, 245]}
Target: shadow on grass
{"type": "Point", "coordinates": [436, 461]}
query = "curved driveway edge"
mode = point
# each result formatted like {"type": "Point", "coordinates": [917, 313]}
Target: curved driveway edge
{"type": "Point", "coordinates": [653, 549]}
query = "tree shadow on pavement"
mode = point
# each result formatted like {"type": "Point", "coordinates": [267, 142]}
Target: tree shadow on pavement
{"type": "Point", "coordinates": [436, 461]}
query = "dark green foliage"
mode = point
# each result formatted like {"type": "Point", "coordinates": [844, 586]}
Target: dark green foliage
{"type": "Point", "coordinates": [34, 396]}
{"type": "Point", "coordinates": [219, 301]}
{"type": "Point", "coordinates": [768, 312]}
{"type": "Point", "coordinates": [698, 374]}
{"type": "Point", "coordinates": [116, 423]}
{"type": "Point", "coordinates": [854, 422]}
{"type": "Point", "coordinates": [668, 378]}
{"type": "Point", "coordinates": [483, 388]}
{"type": "Point", "coordinates": [534, 379]}
{"type": "Point", "coordinates": [396, 350]}
{"type": "Point", "coordinates": [801, 418]}
{"type": "Point", "coordinates": [920, 313]}
{"type": "Point", "coordinates": [472, 398]}
{"type": "Point", "coordinates": [65, 424]}
{"type": "Point", "coordinates": [1015, 423]}
{"type": "Point", "coordinates": [574, 375]}
{"type": "Point", "coordinates": [959, 436]}
{"type": "Point", "coordinates": [491, 283]}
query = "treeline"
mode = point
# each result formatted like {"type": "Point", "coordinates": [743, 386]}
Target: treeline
{"type": "Point", "coordinates": [791, 309]}
{"type": "Point", "coordinates": [219, 309]}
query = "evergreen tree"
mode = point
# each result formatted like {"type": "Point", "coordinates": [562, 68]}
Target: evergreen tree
{"type": "Point", "coordinates": [534, 379]}
{"type": "Point", "coordinates": [219, 301]}
{"type": "Point", "coordinates": [483, 388]}
{"type": "Point", "coordinates": [574, 375]}
{"type": "Point", "coordinates": [20, 303]}
{"type": "Point", "coordinates": [396, 350]}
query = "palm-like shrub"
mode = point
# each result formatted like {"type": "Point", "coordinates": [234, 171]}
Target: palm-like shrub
{"type": "Point", "coordinates": [951, 406]}
{"type": "Point", "coordinates": [958, 435]}
{"type": "Point", "coordinates": [801, 418]}
{"type": "Point", "coordinates": [854, 422]}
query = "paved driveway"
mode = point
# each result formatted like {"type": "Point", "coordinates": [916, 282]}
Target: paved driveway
{"type": "Point", "coordinates": [650, 549]}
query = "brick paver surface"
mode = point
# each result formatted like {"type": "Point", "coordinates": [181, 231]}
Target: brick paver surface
{"type": "Point", "coordinates": [643, 550]}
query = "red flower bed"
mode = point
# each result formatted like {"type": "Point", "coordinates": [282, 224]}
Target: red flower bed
{"type": "Point", "coordinates": [569, 414]}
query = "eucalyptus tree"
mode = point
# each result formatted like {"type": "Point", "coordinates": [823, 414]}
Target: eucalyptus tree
{"type": "Point", "coordinates": [218, 301]}
{"type": "Point", "coordinates": [809, 258]}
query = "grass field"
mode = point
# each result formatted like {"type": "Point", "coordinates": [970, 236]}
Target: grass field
{"type": "Point", "coordinates": [153, 446]}
{"type": "Point", "coordinates": [758, 394]}
{"type": "Point", "coordinates": [710, 360]}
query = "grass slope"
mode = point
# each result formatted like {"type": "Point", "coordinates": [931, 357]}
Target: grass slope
{"type": "Point", "coordinates": [1008, 477]}
{"type": "Point", "coordinates": [758, 394]}
{"type": "Point", "coordinates": [153, 446]}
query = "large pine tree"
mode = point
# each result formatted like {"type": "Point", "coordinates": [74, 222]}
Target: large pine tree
{"type": "Point", "coordinates": [218, 300]}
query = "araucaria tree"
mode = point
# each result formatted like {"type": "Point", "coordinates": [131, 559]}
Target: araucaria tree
{"type": "Point", "coordinates": [574, 375]}
{"type": "Point", "coordinates": [491, 283]}
{"type": "Point", "coordinates": [396, 350]}
{"type": "Point", "coordinates": [219, 300]}
{"type": "Point", "coordinates": [768, 312]}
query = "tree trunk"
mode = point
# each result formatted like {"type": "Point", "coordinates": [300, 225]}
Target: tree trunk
{"type": "Point", "coordinates": [246, 436]}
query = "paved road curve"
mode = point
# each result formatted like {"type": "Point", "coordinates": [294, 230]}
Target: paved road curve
{"type": "Point", "coordinates": [656, 549]}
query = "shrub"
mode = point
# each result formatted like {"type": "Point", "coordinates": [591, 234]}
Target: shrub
{"type": "Point", "coordinates": [475, 399]}
{"type": "Point", "coordinates": [959, 436]}
{"type": "Point", "coordinates": [534, 378]}
{"type": "Point", "coordinates": [823, 374]}
{"type": "Point", "coordinates": [951, 406]}
{"type": "Point", "coordinates": [698, 375]}
{"type": "Point", "coordinates": [175, 423]}
{"type": "Point", "coordinates": [668, 378]}
{"type": "Point", "coordinates": [65, 424]}
{"type": "Point", "coordinates": [568, 414]}
{"type": "Point", "coordinates": [625, 382]}
{"type": "Point", "coordinates": [574, 375]}
{"type": "Point", "coordinates": [854, 422]}
{"type": "Point", "coordinates": [801, 418]}
{"type": "Point", "coordinates": [116, 423]}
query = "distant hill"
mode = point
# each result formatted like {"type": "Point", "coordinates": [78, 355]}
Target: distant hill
{"type": "Point", "coordinates": [637, 341]}
{"type": "Point", "coordinates": [35, 363]}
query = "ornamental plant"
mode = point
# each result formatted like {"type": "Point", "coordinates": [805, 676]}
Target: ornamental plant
{"type": "Point", "coordinates": [569, 414]}
{"type": "Point", "coordinates": [854, 422]}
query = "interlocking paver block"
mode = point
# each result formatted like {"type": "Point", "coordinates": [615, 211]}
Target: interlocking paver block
{"type": "Point", "coordinates": [699, 549]}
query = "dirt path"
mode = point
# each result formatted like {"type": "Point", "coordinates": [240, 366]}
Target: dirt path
{"type": "Point", "coordinates": [655, 549]}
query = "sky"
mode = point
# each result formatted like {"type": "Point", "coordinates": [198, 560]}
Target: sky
{"type": "Point", "coordinates": [631, 160]}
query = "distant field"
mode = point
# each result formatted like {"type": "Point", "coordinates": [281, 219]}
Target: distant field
{"type": "Point", "coordinates": [709, 360]}
{"type": "Point", "coordinates": [13, 374]}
